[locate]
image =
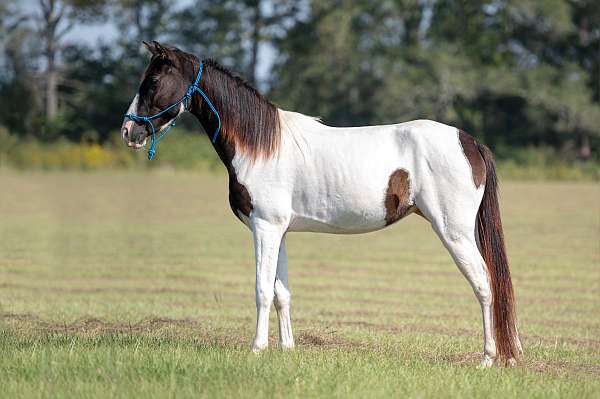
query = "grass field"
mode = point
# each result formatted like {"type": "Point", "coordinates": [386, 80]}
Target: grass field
{"type": "Point", "coordinates": [141, 285]}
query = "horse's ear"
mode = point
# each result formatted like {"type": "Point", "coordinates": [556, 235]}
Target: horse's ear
{"type": "Point", "coordinates": [150, 47]}
{"type": "Point", "coordinates": [157, 49]}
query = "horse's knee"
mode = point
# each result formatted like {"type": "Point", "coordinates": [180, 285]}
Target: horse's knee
{"type": "Point", "coordinates": [264, 297]}
{"type": "Point", "coordinates": [283, 296]}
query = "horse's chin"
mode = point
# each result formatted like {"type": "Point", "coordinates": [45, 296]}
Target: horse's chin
{"type": "Point", "coordinates": [137, 146]}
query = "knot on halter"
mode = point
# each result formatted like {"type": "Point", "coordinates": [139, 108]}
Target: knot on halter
{"type": "Point", "coordinates": [151, 152]}
{"type": "Point", "coordinates": [191, 89]}
{"type": "Point", "coordinates": [185, 100]}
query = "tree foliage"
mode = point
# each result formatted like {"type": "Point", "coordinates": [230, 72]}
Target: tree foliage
{"type": "Point", "coordinates": [514, 73]}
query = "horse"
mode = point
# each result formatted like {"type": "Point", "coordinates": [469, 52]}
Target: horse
{"type": "Point", "coordinates": [289, 172]}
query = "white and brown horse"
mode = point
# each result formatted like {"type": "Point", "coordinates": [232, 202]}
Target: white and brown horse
{"type": "Point", "coordinates": [289, 172]}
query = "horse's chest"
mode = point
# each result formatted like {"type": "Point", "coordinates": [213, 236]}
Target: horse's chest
{"type": "Point", "coordinates": [239, 198]}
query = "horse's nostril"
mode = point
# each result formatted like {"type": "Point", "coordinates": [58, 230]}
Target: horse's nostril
{"type": "Point", "coordinates": [125, 133]}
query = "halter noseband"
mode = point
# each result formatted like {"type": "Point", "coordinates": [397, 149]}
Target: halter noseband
{"type": "Point", "coordinates": [185, 100]}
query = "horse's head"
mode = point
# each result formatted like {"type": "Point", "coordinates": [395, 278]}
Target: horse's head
{"type": "Point", "coordinates": [164, 82]}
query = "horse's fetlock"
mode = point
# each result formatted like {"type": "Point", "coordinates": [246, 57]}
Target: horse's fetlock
{"type": "Point", "coordinates": [486, 362]}
{"type": "Point", "coordinates": [490, 350]}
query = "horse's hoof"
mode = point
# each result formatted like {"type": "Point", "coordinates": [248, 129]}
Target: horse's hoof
{"type": "Point", "coordinates": [486, 362]}
{"type": "Point", "coordinates": [258, 348]}
{"type": "Point", "coordinates": [286, 346]}
{"type": "Point", "coordinates": [512, 362]}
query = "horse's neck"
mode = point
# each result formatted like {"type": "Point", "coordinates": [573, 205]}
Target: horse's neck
{"type": "Point", "coordinates": [223, 147]}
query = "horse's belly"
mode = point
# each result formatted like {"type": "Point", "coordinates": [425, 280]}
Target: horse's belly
{"type": "Point", "coordinates": [340, 215]}
{"type": "Point", "coordinates": [300, 224]}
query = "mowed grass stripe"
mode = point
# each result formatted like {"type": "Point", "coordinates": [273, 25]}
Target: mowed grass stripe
{"type": "Point", "coordinates": [102, 296]}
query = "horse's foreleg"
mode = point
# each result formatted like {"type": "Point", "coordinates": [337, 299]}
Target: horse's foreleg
{"type": "Point", "coordinates": [267, 240]}
{"type": "Point", "coordinates": [283, 299]}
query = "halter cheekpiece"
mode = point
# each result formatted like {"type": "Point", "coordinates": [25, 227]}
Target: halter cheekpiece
{"type": "Point", "coordinates": [185, 100]}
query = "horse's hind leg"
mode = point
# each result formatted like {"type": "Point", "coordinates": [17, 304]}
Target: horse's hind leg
{"type": "Point", "coordinates": [463, 249]}
{"type": "Point", "coordinates": [456, 229]}
{"type": "Point", "coordinates": [283, 299]}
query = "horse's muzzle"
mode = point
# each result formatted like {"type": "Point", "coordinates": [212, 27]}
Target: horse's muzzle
{"type": "Point", "coordinates": [133, 135]}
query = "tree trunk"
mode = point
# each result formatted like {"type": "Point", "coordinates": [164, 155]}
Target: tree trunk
{"type": "Point", "coordinates": [256, 27]}
{"type": "Point", "coordinates": [585, 149]}
{"type": "Point", "coordinates": [138, 22]}
{"type": "Point", "coordinates": [51, 18]}
{"type": "Point", "coordinates": [51, 86]}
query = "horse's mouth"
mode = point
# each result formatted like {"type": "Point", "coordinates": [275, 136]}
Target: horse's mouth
{"type": "Point", "coordinates": [135, 137]}
{"type": "Point", "coordinates": [136, 145]}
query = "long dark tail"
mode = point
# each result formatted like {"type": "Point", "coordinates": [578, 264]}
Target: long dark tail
{"type": "Point", "coordinates": [493, 250]}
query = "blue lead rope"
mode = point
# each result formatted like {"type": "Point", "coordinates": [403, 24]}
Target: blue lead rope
{"type": "Point", "coordinates": [185, 100]}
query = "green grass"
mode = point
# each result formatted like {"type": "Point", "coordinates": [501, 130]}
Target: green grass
{"type": "Point", "coordinates": [137, 284]}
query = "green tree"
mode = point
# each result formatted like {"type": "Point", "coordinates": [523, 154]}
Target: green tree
{"type": "Point", "coordinates": [232, 31]}
{"type": "Point", "coordinates": [325, 65]}
{"type": "Point", "coordinates": [98, 87]}
{"type": "Point", "coordinates": [139, 20]}
{"type": "Point", "coordinates": [535, 74]}
{"type": "Point", "coordinates": [19, 102]}
{"type": "Point", "coordinates": [54, 19]}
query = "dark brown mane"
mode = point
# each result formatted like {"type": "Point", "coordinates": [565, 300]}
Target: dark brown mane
{"type": "Point", "coordinates": [249, 120]}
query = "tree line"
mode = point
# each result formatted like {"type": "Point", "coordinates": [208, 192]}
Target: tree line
{"type": "Point", "coordinates": [514, 73]}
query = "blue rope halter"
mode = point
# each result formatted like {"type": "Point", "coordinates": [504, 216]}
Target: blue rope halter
{"type": "Point", "coordinates": [185, 100]}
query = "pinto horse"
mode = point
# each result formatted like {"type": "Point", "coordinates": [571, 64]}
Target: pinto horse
{"type": "Point", "coordinates": [289, 172]}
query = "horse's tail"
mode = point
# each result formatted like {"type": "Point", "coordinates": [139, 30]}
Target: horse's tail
{"type": "Point", "coordinates": [493, 250]}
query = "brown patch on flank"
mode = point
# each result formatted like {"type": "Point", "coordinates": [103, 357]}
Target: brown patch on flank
{"type": "Point", "coordinates": [469, 146]}
{"type": "Point", "coordinates": [397, 197]}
